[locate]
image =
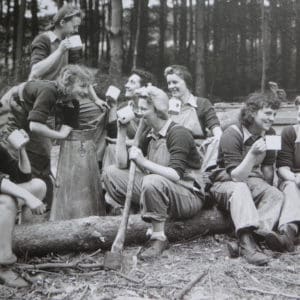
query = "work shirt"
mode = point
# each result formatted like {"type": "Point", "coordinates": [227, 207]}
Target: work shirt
{"type": "Point", "coordinates": [180, 145]}
{"type": "Point", "coordinates": [289, 155]}
{"type": "Point", "coordinates": [44, 45]}
{"type": "Point", "coordinates": [9, 168]}
{"type": "Point", "coordinates": [42, 98]}
{"type": "Point", "coordinates": [235, 143]}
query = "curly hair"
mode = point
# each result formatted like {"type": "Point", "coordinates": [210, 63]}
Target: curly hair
{"type": "Point", "coordinates": [70, 73]}
{"type": "Point", "coordinates": [182, 72]}
{"type": "Point", "coordinates": [254, 103]}
{"type": "Point", "coordinates": [146, 76]}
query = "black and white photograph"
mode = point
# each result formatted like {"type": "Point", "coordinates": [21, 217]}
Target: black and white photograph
{"type": "Point", "coordinates": [149, 149]}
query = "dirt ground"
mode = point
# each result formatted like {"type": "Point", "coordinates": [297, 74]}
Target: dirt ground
{"type": "Point", "coordinates": [221, 277]}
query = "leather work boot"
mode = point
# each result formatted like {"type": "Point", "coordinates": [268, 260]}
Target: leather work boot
{"type": "Point", "coordinates": [283, 241]}
{"type": "Point", "coordinates": [153, 248]}
{"type": "Point", "coordinates": [250, 250]}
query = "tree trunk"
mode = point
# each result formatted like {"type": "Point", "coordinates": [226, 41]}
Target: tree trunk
{"type": "Point", "coordinates": [34, 18]}
{"type": "Point", "coordinates": [297, 44]}
{"type": "Point", "coordinates": [191, 31]}
{"type": "Point", "coordinates": [162, 30]}
{"type": "Point", "coordinates": [263, 45]}
{"type": "Point", "coordinates": [7, 36]}
{"type": "Point", "coordinates": [99, 232]}
{"type": "Point", "coordinates": [175, 27]}
{"type": "Point", "coordinates": [115, 67]}
{"type": "Point", "coordinates": [183, 33]}
{"type": "Point", "coordinates": [20, 39]}
{"type": "Point", "coordinates": [141, 35]}
{"type": "Point", "coordinates": [273, 51]}
{"type": "Point", "coordinates": [137, 35]}
{"type": "Point", "coordinates": [200, 74]}
{"type": "Point", "coordinates": [132, 32]}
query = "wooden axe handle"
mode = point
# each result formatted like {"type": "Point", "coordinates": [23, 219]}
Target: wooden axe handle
{"type": "Point", "coordinates": [118, 244]}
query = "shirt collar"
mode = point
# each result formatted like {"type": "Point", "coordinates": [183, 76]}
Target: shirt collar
{"type": "Point", "coordinates": [52, 36]}
{"type": "Point", "coordinates": [163, 131]}
{"type": "Point", "coordinates": [247, 135]}
{"type": "Point", "coordinates": [192, 101]}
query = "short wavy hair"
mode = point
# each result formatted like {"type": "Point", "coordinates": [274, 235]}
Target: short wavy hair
{"type": "Point", "coordinates": [182, 72]}
{"type": "Point", "coordinates": [70, 73]}
{"type": "Point", "coordinates": [254, 103]}
{"type": "Point", "coordinates": [146, 76]}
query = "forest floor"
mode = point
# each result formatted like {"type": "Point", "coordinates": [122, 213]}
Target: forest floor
{"type": "Point", "coordinates": [165, 277]}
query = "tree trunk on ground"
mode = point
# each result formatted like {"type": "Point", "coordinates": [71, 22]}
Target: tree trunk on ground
{"type": "Point", "coordinates": [99, 232]}
{"type": "Point", "coordinates": [20, 39]}
{"type": "Point", "coordinates": [200, 76]}
{"type": "Point", "coordinates": [115, 66]}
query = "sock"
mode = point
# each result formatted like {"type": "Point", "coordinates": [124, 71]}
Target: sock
{"type": "Point", "coordinates": [160, 235]}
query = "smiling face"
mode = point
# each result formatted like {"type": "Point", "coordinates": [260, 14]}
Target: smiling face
{"type": "Point", "coordinates": [146, 111]}
{"type": "Point", "coordinates": [133, 83]}
{"type": "Point", "coordinates": [264, 118]}
{"type": "Point", "coordinates": [177, 86]}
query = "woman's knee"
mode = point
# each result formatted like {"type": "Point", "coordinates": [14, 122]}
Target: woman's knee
{"type": "Point", "coordinates": [8, 203]}
{"type": "Point", "coordinates": [38, 188]}
{"type": "Point", "coordinates": [151, 182]}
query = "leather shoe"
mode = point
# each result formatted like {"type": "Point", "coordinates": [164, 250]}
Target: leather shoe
{"type": "Point", "coordinates": [153, 248]}
{"type": "Point", "coordinates": [250, 250]}
{"type": "Point", "coordinates": [279, 242]}
{"type": "Point", "coordinates": [11, 278]}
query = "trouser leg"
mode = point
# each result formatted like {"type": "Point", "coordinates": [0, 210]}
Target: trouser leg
{"type": "Point", "coordinates": [8, 209]}
{"type": "Point", "coordinates": [236, 198]}
{"type": "Point", "coordinates": [268, 200]}
{"type": "Point", "coordinates": [116, 181]}
{"type": "Point", "coordinates": [291, 208]}
{"type": "Point", "coordinates": [162, 199]}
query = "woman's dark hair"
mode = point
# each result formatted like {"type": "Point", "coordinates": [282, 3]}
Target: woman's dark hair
{"type": "Point", "coordinates": [254, 103]}
{"type": "Point", "coordinates": [146, 77]}
{"type": "Point", "coordinates": [182, 72]}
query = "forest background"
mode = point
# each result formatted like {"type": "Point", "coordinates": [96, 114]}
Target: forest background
{"type": "Point", "coordinates": [232, 47]}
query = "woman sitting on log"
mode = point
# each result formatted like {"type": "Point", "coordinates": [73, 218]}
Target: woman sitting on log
{"type": "Point", "coordinates": [163, 189]}
{"type": "Point", "coordinates": [288, 164]}
{"type": "Point", "coordinates": [16, 183]}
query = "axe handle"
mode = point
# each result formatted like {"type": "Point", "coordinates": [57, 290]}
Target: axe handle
{"type": "Point", "coordinates": [118, 244]}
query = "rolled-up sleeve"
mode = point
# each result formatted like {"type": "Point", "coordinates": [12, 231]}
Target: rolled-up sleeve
{"type": "Point", "coordinates": [43, 105]}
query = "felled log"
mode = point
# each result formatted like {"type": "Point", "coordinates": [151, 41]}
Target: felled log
{"type": "Point", "coordinates": [96, 232]}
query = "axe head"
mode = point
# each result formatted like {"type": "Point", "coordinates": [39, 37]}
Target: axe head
{"type": "Point", "coordinates": [119, 262]}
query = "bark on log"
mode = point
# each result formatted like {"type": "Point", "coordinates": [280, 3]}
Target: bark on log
{"type": "Point", "coordinates": [96, 232]}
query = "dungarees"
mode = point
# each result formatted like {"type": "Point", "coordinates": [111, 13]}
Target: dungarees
{"type": "Point", "coordinates": [158, 197]}
{"type": "Point", "coordinates": [291, 207]}
{"type": "Point", "coordinates": [252, 204]}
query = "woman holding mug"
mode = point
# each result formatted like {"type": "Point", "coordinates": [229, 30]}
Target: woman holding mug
{"type": "Point", "coordinates": [194, 113]}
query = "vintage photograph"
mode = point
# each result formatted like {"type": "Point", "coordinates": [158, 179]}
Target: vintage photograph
{"type": "Point", "coordinates": [149, 149]}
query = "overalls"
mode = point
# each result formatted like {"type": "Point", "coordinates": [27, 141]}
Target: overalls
{"type": "Point", "coordinates": [291, 207]}
{"type": "Point", "coordinates": [159, 198]}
